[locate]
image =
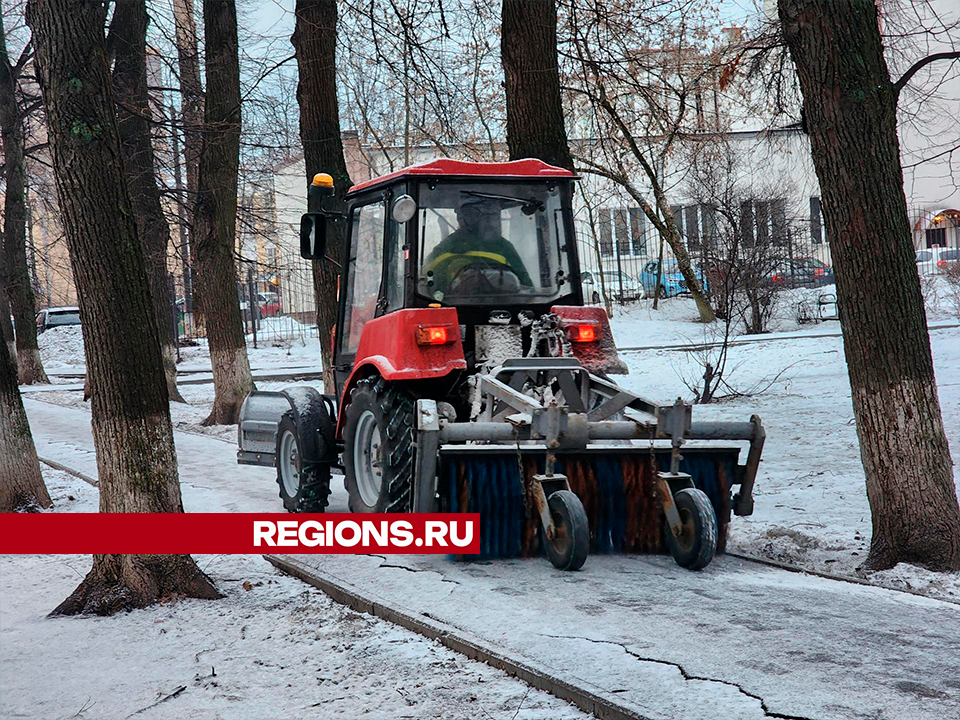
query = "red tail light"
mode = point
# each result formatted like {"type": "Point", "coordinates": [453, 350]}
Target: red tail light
{"type": "Point", "coordinates": [583, 332]}
{"type": "Point", "coordinates": [941, 263]}
{"type": "Point", "coordinates": [432, 335]}
{"type": "Point", "coordinates": [818, 272]}
{"type": "Point", "coordinates": [777, 277]}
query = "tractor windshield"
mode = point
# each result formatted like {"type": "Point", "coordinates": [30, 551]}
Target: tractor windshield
{"type": "Point", "coordinates": [483, 242]}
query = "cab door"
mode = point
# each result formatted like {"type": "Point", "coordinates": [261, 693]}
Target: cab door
{"type": "Point", "coordinates": [360, 279]}
{"type": "Point", "coordinates": [372, 281]}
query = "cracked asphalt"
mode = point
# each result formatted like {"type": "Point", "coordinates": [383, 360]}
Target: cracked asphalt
{"type": "Point", "coordinates": [737, 640]}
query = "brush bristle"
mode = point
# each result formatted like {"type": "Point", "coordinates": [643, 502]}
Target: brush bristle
{"type": "Point", "coordinates": [617, 490]}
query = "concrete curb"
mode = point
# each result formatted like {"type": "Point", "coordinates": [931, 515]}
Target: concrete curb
{"type": "Point", "coordinates": [584, 695]}
{"type": "Point", "coordinates": [755, 339]}
{"type": "Point", "coordinates": [70, 471]}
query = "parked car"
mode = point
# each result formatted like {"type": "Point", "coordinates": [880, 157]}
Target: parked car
{"type": "Point", "coordinates": [671, 281]}
{"type": "Point", "coordinates": [57, 317]}
{"type": "Point", "coordinates": [823, 273]}
{"type": "Point", "coordinates": [590, 288]}
{"type": "Point", "coordinates": [269, 304]}
{"type": "Point", "coordinates": [617, 286]}
{"type": "Point", "coordinates": [794, 273]}
{"type": "Point", "coordinates": [935, 259]}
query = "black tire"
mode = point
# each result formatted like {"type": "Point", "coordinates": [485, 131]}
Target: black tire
{"type": "Point", "coordinates": [695, 548]}
{"type": "Point", "coordinates": [569, 548]}
{"type": "Point", "coordinates": [596, 298]}
{"type": "Point", "coordinates": [392, 409]}
{"type": "Point", "coordinates": [312, 481]}
{"type": "Point", "coordinates": [662, 293]}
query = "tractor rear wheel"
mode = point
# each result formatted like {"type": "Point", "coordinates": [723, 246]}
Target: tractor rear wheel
{"type": "Point", "coordinates": [570, 544]}
{"type": "Point", "coordinates": [378, 447]}
{"type": "Point", "coordinates": [697, 543]}
{"type": "Point", "coordinates": [304, 488]}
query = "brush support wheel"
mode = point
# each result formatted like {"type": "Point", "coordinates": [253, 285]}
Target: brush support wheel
{"type": "Point", "coordinates": [568, 548]}
{"type": "Point", "coordinates": [697, 543]}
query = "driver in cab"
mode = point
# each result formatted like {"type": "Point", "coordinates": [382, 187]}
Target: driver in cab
{"type": "Point", "coordinates": [475, 259]}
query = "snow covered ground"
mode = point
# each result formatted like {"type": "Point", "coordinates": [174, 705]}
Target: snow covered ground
{"type": "Point", "coordinates": [272, 648]}
{"type": "Point", "coordinates": [285, 343]}
{"type": "Point", "coordinates": [811, 507]}
{"type": "Point", "coordinates": [280, 648]}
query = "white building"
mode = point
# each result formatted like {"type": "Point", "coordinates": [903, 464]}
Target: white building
{"type": "Point", "coordinates": [775, 174]}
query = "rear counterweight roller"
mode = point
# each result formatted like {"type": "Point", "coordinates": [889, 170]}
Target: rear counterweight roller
{"type": "Point", "coordinates": [697, 543]}
{"type": "Point", "coordinates": [304, 487]}
{"type": "Point", "coordinates": [571, 542]}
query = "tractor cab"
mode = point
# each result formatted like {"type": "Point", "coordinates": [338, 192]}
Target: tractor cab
{"type": "Point", "coordinates": [494, 242]}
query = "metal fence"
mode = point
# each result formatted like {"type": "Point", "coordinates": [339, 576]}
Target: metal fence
{"type": "Point", "coordinates": [619, 248]}
{"type": "Point", "coordinates": [276, 305]}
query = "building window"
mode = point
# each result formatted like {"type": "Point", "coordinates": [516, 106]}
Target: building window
{"type": "Point", "coordinates": [621, 221]}
{"type": "Point", "coordinates": [763, 222]}
{"type": "Point", "coordinates": [606, 233]}
{"type": "Point", "coordinates": [936, 236]}
{"type": "Point", "coordinates": [638, 238]}
{"type": "Point", "coordinates": [817, 229]}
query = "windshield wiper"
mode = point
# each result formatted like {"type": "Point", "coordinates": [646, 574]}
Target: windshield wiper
{"type": "Point", "coordinates": [527, 205]}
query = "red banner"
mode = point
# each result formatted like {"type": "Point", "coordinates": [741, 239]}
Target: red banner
{"type": "Point", "coordinates": [238, 533]}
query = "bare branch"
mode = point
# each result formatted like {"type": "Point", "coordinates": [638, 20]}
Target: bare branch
{"type": "Point", "coordinates": [920, 64]}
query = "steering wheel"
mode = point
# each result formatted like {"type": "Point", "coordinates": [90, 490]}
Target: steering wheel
{"type": "Point", "coordinates": [484, 278]}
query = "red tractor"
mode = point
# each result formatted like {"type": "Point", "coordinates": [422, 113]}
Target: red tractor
{"type": "Point", "coordinates": [470, 377]}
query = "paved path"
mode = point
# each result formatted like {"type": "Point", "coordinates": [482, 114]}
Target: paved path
{"type": "Point", "coordinates": [210, 479]}
{"type": "Point", "coordinates": [738, 640]}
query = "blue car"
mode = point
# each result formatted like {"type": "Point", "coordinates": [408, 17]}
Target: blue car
{"type": "Point", "coordinates": [671, 281]}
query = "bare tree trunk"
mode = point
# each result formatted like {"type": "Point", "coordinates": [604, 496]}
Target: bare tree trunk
{"type": "Point", "coordinates": [14, 258]}
{"type": "Point", "coordinates": [21, 483]}
{"type": "Point", "coordinates": [191, 112]}
{"type": "Point", "coordinates": [6, 327]}
{"type": "Point", "coordinates": [850, 104]}
{"type": "Point", "coordinates": [132, 433]}
{"type": "Point", "coordinates": [680, 254]}
{"type": "Point", "coordinates": [528, 48]}
{"type": "Point", "coordinates": [215, 216]}
{"type": "Point", "coordinates": [129, 32]}
{"type": "Point", "coordinates": [656, 288]}
{"type": "Point", "coordinates": [315, 43]}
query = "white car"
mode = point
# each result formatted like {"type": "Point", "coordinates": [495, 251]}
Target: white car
{"type": "Point", "coordinates": [930, 260]}
{"type": "Point", "coordinates": [619, 286]}
{"type": "Point", "coordinates": [57, 317]}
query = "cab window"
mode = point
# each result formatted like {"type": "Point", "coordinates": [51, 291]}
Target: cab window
{"type": "Point", "coordinates": [364, 270]}
{"type": "Point", "coordinates": [397, 252]}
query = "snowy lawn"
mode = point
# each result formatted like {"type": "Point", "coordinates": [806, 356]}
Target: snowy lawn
{"type": "Point", "coordinates": [272, 648]}
{"type": "Point", "coordinates": [811, 506]}
{"type": "Point", "coordinates": [286, 344]}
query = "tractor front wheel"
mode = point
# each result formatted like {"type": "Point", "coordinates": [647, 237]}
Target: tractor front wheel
{"type": "Point", "coordinates": [696, 545]}
{"type": "Point", "coordinates": [568, 548]}
{"type": "Point", "coordinates": [378, 447]}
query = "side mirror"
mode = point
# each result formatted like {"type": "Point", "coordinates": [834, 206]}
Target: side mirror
{"type": "Point", "coordinates": [313, 236]}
